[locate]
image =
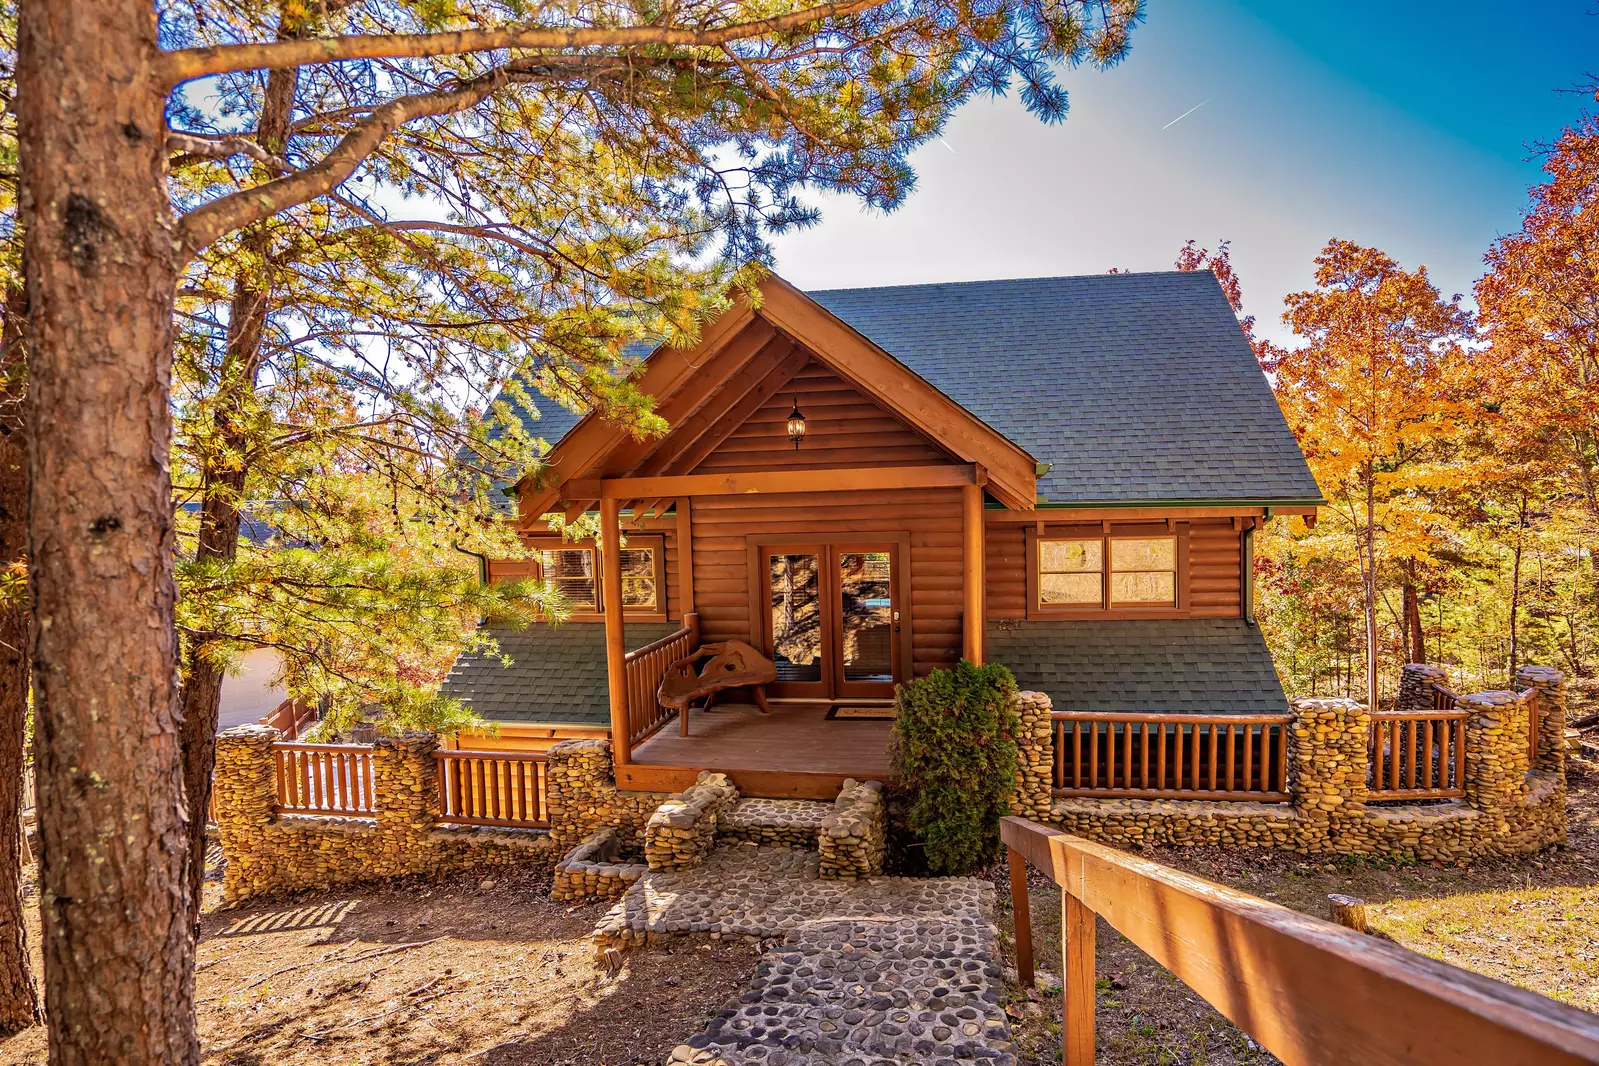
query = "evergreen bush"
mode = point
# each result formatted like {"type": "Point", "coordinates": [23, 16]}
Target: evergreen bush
{"type": "Point", "coordinates": [955, 754]}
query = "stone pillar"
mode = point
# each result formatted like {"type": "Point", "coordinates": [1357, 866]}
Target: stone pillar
{"type": "Point", "coordinates": [405, 792]}
{"type": "Point", "coordinates": [1496, 755]}
{"type": "Point", "coordinates": [1416, 681]}
{"type": "Point", "coordinates": [245, 790]}
{"type": "Point", "coordinates": [1551, 686]}
{"type": "Point", "coordinates": [853, 840]}
{"type": "Point", "coordinates": [1328, 760]}
{"type": "Point", "coordinates": [1035, 751]}
{"type": "Point", "coordinates": [581, 787]}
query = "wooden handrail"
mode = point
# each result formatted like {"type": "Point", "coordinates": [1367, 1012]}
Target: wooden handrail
{"type": "Point", "coordinates": [1310, 992]}
{"type": "Point", "coordinates": [657, 645]}
{"type": "Point", "coordinates": [1451, 714]}
{"type": "Point", "coordinates": [642, 672]}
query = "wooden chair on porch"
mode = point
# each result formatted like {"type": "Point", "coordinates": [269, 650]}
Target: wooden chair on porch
{"type": "Point", "coordinates": [733, 665]}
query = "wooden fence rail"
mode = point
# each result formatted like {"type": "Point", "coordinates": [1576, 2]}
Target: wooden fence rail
{"type": "Point", "coordinates": [498, 788]}
{"type": "Point", "coordinates": [1418, 754]}
{"type": "Point", "coordinates": [323, 778]}
{"type": "Point", "coordinates": [1184, 756]}
{"type": "Point", "coordinates": [644, 669]}
{"type": "Point", "coordinates": [1312, 993]}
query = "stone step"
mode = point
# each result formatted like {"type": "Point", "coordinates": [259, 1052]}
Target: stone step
{"type": "Point", "coordinates": [773, 823]}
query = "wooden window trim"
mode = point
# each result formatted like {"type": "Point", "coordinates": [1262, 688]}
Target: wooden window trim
{"type": "Point", "coordinates": [654, 541]}
{"type": "Point", "coordinates": [1106, 532]}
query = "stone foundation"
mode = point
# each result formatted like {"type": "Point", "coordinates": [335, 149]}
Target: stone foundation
{"type": "Point", "coordinates": [594, 870]}
{"type": "Point", "coordinates": [682, 831]}
{"type": "Point", "coordinates": [853, 839]}
{"type": "Point", "coordinates": [1515, 798]}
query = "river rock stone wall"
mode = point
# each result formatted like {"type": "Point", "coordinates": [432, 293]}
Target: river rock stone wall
{"type": "Point", "coordinates": [773, 823]}
{"type": "Point", "coordinates": [1035, 750]}
{"type": "Point", "coordinates": [1515, 797]}
{"type": "Point", "coordinates": [270, 853]}
{"type": "Point", "coordinates": [595, 870]}
{"type": "Point", "coordinates": [682, 831]}
{"type": "Point", "coordinates": [853, 838]}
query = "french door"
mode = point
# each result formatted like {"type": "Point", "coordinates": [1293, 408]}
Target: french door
{"type": "Point", "coordinates": [831, 615]}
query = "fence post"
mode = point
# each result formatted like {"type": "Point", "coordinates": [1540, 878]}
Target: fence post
{"type": "Point", "coordinates": [244, 791]}
{"type": "Point", "coordinates": [1021, 912]}
{"type": "Point", "coordinates": [581, 792]}
{"type": "Point", "coordinates": [1496, 755]}
{"type": "Point", "coordinates": [1551, 688]}
{"type": "Point", "coordinates": [405, 793]}
{"type": "Point", "coordinates": [1078, 993]}
{"type": "Point", "coordinates": [1329, 752]}
{"type": "Point", "coordinates": [1035, 750]}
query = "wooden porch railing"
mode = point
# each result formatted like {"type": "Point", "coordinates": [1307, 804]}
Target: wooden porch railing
{"type": "Point", "coordinates": [323, 778]}
{"type": "Point", "coordinates": [1310, 992]}
{"type": "Point", "coordinates": [1418, 754]}
{"type": "Point", "coordinates": [500, 788]}
{"type": "Point", "coordinates": [291, 717]}
{"type": "Point", "coordinates": [1529, 696]}
{"type": "Point", "coordinates": [645, 668]}
{"type": "Point", "coordinates": [1183, 756]}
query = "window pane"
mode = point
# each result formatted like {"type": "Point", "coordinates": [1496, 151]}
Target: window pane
{"type": "Point", "coordinates": [865, 586]}
{"type": "Point", "coordinates": [797, 616]}
{"type": "Point", "coordinates": [1070, 588]}
{"type": "Point", "coordinates": [1069, 556]}
{"type": "Point", "coordinates": [1154, 553]}
{"type": "Point", "coordinates": [1158, 588]}
{"type": "Point", "coordinates": [638, 577]}
{"type": "Point", "coordinates": [571, 570]}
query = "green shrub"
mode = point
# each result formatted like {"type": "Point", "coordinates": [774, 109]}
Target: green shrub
{"type": "Point", "coordinates": [955, 754]}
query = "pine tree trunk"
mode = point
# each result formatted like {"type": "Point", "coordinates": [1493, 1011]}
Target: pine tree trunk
{"type": "Point", "coordinates": [118, 949]}
{"type": "Point", "coordinates": [19, 999]}
{"type": "Point", "coordinates": [1415, 639]}
{"type": "Point", "coordinates": [224, 474]}
{"type": "Point", "coordinates": [1515, 592]}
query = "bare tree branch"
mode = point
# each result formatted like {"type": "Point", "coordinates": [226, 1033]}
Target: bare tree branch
{"type": "Point", "coordinates": [223, 148]}
{"type": "Point", "coordinates": [189, 63]}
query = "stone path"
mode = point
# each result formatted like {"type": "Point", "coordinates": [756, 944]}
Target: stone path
{"type": "Point", "coordinates": [876, 972]}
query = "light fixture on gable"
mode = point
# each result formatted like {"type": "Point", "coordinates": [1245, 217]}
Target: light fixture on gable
{"type": "Point", "coordinates": [796, 425]}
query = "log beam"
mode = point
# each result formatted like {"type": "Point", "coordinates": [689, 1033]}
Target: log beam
{"type": "Point", "coordinates": [974, 578]}
{"type": "Point", "coordinates": [615, 635]}
{"type": "Point", "coordinates": [843, 479]}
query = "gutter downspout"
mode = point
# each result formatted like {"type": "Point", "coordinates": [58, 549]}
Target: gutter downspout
{"type": "Point", "coordinates": [1248, 549]}
{"type": "Point", "coordinates": [482, 561]}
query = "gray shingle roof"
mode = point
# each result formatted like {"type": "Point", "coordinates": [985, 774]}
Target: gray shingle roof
{"type": "Point", "coordinates": [556, 677]}
{"type": "Point", "coordinates": [1198, 665]}
{"type": "Point", "coordinates": [1135, 387]}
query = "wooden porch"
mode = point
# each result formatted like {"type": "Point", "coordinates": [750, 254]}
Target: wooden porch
{"type": "Point", "coordinates": [796, 751]}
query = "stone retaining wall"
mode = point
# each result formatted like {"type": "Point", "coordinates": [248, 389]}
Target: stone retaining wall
{"type": "Point", "coordinates": [1515, 799]}
{"type": "Point", "coordinates": [269, 853]}
{"type": "Point", "coordinates": [853, 839]}
{"type": "Point", "coordinates": [1035, 750]}
{"type": "Point", "coordinates": [682, 831]}
{"type": "Point", "coordinates": [594, 870]}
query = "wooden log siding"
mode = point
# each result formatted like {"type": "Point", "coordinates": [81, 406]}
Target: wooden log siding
{"type": "Point", "coordinates": [1214, 561]}
{"type": "Point", "coordinates": [1176, 756]}
{"type": "Point", "coordinates": [645, 667]}
{"type": "Point", "coordinates": [724, 526]}
{"type": "Point", "coordinates": [1418, 754]}
{"type": "Point", "coordinates": [1310, 992]}
{"type": "Point", "coordinates": [497, 788]}
{"type": "Point", "coordinates": [330, 779]}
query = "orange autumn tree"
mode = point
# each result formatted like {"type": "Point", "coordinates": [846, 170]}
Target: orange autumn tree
{"type": "Point", "coordinates": [1220, 263]}
{"type": "Point", "coordinates": [1368, 393]}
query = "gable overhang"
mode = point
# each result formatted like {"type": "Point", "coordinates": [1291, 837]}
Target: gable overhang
{"type": "Point", "coordinates": [704, 390]}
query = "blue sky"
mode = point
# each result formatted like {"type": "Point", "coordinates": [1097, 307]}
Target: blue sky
{"type": "Point", "coordinates": [1409, 125]}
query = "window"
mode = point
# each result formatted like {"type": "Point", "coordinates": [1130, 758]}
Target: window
{"type": "Point", "coordinates": [1134, 568]}
{"type": "Point", "coordinates": [1143, 571]}
{"type": "Point", "coordinates": [576, 570]}
{"type": "Point", "coordinates": [1071, 573]}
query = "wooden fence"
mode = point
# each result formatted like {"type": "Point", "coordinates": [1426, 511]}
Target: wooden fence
{"type": "Point", "coordinates": [1418, 754]}
{"type": "Point", "coordinates": [1310, 992]}
{"type": "Point", "coordinates": [493, 788]}
{"type": "Point", "coordinates": [290, 717]}
{"type": "Point", "coordinates": [333, 779]}
{"type": "Point", "coordinates": [1183, 756]}
{"type": "Point", "coordinates": [644, 669]}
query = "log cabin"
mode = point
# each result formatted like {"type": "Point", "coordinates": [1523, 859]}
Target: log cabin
{"type": "Point", "coordinates": [1062, 475]}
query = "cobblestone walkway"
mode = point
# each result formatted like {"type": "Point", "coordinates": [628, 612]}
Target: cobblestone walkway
{"type": "Point", "coordinates": [878, 972]}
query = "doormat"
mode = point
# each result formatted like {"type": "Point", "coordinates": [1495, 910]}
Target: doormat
{"type": "Point", "coordinates": [880, 713]}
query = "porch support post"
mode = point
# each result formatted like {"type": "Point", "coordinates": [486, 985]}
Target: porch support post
{"type": "Point", "coordinates": [615, 637]}
{"type": "Point", "coordinates": [972, 527]}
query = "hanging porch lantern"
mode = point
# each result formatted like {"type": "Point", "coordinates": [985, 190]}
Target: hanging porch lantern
{"type": "Point", "coordinates": [796, 425]}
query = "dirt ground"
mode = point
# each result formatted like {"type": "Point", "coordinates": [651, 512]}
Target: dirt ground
{"type": "Point", "coordinates": [480, 969]}
{"type": "Point", "coordinates": [1530, 921]}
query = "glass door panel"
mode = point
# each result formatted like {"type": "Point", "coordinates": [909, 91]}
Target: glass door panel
{"type": "Point", "coordinates": [866, 611]}
{"type": "Point", "coordinates": [794, 597]}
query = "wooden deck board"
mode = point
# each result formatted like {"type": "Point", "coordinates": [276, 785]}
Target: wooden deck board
{"type": "Point", "coordinates": [797, 737]}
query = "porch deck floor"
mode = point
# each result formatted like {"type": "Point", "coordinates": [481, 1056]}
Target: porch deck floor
{"type": "Point", "coordinates": [797, 737]}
